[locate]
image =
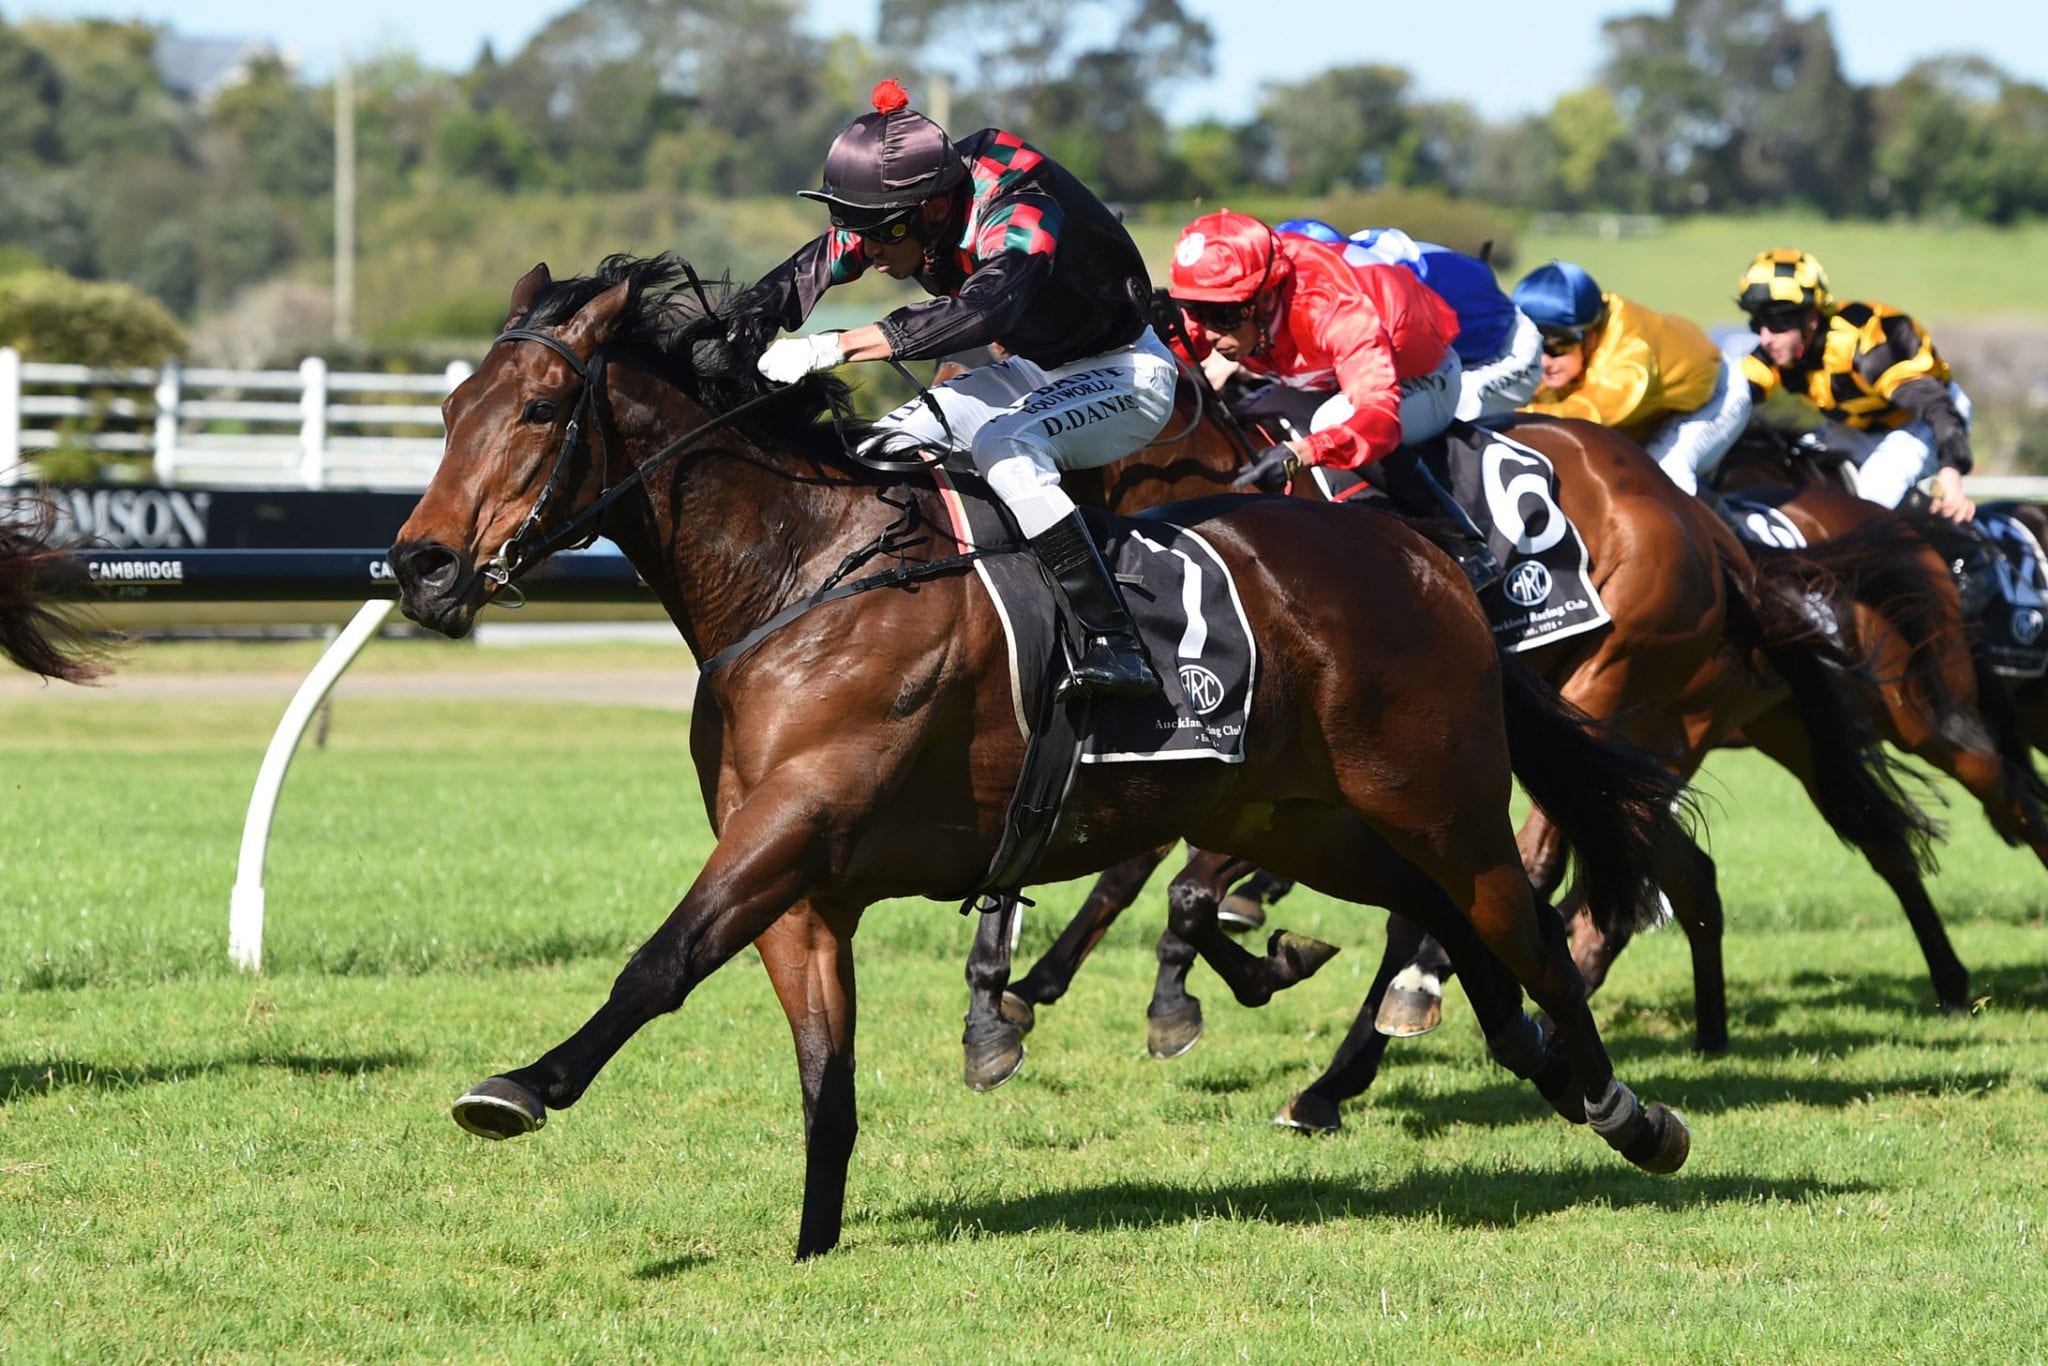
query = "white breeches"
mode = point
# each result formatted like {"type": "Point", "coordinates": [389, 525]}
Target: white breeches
{"type": "Point", "coordinates": [1691, 446]}
{"type": "Point", "coordinates": [1891, 460]}
{"type": "Point", "coordinates": [1507, 381]}
{"type": "Point", "coordinates": [1023, 424]}
{"type": "Point", "coordinates": [1428, 403]}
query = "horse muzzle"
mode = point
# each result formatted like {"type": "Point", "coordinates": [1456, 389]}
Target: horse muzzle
{"type": "Point", "coordinates": [438, 587]}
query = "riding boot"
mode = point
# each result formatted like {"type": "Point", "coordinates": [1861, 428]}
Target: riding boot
{"type": "Point", "coordinates": [1113, 664]}
{"type": "Point", "coordinates": [1413, 488]}
{"type": "Point", "coordinates": [1718, 505]}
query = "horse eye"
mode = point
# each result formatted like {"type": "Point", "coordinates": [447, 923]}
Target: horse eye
{"type": "Point", "coordinates": [538, 410]}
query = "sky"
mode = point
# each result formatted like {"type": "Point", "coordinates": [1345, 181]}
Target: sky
{"type": "Point", "coordinates": [1498, 55]}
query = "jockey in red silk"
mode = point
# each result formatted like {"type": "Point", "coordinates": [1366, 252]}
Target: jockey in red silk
{"type": "Point", "coordinates": [1017, 253]}
{"type": "Point", "coordinates": [1361, 356]}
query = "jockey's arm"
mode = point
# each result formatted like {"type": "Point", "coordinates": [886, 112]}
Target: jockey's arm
{"type": "Point", "coordinates": [1362, 350]}
{"type": "Point", "coordinates": [1616, 384]}
{"type": "Point", "coordinates": [1929, 400]}
{"type": "Point", "coordinates": [987, 306]}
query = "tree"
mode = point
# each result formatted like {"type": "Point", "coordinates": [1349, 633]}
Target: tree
{"type": "Point", "coordinates": [1739, 104]}
{"type": "Point", "coordinates": [30, 92]}
{"type": "Point", "coordinates": [1346, 128]}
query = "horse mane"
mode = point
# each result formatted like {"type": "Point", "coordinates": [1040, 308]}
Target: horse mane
{"type": "Point", "coordinates": [665, 319]}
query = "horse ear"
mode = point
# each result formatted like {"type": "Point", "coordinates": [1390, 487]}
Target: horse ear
{"type": "Point", "coordinates": [592, 326]}
{"type": "Point", "coordinates": [525, 292]}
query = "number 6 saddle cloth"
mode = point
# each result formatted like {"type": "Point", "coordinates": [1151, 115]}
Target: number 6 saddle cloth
{"type": "Point", "coordinates": [1181, 595]}
{"type": "Point", "coordinates": [1545, 592]}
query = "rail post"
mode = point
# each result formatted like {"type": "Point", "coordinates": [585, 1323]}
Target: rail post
{"type": "Point", "coordinates": [10, 415]}
{"type": "Point", "coordinates": [313, 422]}
{"type": "Point", "coordinates": [169, 383]}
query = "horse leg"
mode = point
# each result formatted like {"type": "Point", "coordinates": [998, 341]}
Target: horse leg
{"type": "Point", "coordinates": [1245, 908]}
{"type": "Point", "coordinates": [1173, 1019]}
{"type": "Point", "coordinates": [1781, 735]}
{"type": "Point", "coordinates": [809, 957]}
{"type": "Point", "coordinates": [770, 852]}
{"type": "Point", "coordinates": [1315, 1109]}
{"type": "Point", "coordinates": [1191, 916]}
{"type": "Point", "coordinates": [1413, 1002]}
{"type": "Point", "coordinates": [1053, 973]}
{"type": "Point", "coordinates": [992, 1043]}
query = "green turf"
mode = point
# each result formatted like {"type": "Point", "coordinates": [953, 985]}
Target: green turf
{"type": "Point", "coordinates": [194, 1163]}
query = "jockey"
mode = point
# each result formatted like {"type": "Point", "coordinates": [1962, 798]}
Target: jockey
{"type": "Point", "coordinates": [1501, 350]}
{"type": "Point", "coordinates": [1016, 251]}
{"type": "Point", "coordinates": [1870, 369]}
{"type": "Point", "coordinates": [1362, 357]}
{"type": "Point", "coordinates": [1652, 376]}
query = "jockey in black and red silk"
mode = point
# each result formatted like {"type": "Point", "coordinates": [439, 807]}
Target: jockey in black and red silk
{"type": "Point", "coordinates": [1017, 253]}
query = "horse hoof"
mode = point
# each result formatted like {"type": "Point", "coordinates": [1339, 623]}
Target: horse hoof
{"type": "Point", "coordinates": [993, 1061]}
{"type": "Point", "coordinates": [1019, 1012]}
{"type": "Point", "coordinates": [499, 1107]}
{"type": "Point", "coordinates": [1169, 1036]}
{"type": "Point", "coordinates": [1299, 956]}
{"type": "Point", "coordinates": [1310, 1114]}
{"type": "Point", "coordinates": [1663, 1143]}
{"type": "Point", "coordinates": [1240, 914]}
{"type": "Point", "coordinates": [1414, 1004]}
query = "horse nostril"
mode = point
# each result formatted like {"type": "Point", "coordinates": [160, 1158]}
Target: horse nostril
{"type": "Point", "coordinates": [431, 567]}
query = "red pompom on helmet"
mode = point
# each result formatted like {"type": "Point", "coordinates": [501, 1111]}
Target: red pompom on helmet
{"type": "Point", "coordinates": [885, 163]}
{"type": "Point", "coordinates": [1226, 258]}
{"type": "Point", "coordinates": [890, 97]}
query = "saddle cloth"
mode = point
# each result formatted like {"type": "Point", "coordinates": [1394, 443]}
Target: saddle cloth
{"type": "Point", "coordinates": [2014, 610]}
{"type": "Point", "coordinates": [1188, 614]}
{"type": "Point", "coordinates": [1545, 592]}
{"type": "Point", "coordinates": [2013, 620]}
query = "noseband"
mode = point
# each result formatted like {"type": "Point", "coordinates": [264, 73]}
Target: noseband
{"type": "Point", "coordinates": [517, 554]}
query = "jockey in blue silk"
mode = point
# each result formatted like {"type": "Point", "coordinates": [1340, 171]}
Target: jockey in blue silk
{"type": "Point", "coordinates": [1501, 349]}
{"type": "Point", "coordinates": [1016, 251]}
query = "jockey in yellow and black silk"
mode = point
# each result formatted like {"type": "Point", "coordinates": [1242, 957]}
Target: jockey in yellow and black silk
{"type": "Point", "coordinates": [1873, 372]}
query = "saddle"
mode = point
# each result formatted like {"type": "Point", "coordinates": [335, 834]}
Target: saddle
{"type": "Point", "coordinates": [1193, 628]}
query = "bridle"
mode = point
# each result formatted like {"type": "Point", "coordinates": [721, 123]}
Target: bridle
{"type": "Point", "coordinates": [530, 544]}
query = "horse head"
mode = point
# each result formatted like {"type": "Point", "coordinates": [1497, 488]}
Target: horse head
{"type": "Point", "coordinates": [524, 448]}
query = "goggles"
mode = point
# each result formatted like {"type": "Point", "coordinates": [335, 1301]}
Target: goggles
{"type": "Point", "coordinates": [1562, 341]}
{"type": "Point", "coordinates": [1219, 317]}
{"type": "Point", "coordinates": [1778, 320]}
{"type": "Point", "coordinates": [885, 232]}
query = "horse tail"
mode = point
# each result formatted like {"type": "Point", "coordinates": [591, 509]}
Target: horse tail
{"type": "Point", "coordinates": [36, 631]}
{"type": "Point", "coordinates": [1856, 781]}
{"type": "Point", "coordinates": [1614, 801]}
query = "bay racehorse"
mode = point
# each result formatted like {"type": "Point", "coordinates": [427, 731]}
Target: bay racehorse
{"type": "Point", "coordinates": [1706, 640]}
{"type": "Point", "coordinates": [39, 631]}
{"type": "Point", "coordinates": [866, 748]}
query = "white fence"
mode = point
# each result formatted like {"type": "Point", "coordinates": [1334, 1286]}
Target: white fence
{"type": "Point", "coordinates": [275, 428]}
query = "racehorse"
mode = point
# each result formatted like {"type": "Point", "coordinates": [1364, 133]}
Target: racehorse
{"type": "Point", "coordinates": [865, 748]}
{"type": "Point", "coordinates": [37, 630]}
{"type": "Point", "coordinates": [1941, 699]}
{"type": "Point", "coordinates": [1705, 641]}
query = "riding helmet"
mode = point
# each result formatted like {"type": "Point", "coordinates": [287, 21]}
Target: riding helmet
{"type": "Point", "coordinates": [1314, 229]}
{"type": "Point", "coordinates": [885, 163]}
{"type": "Point", "coordinates": [1226, 258]}
{"type": "Point", "coordinates": [1560, 296]}
{"type": "Point", "coordinates": [1781, 280]}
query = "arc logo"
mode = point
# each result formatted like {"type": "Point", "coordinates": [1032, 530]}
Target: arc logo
{"type": "Point", "coordinates": [1527, 584]}
{"type": "Point", "coordinates": [1204, 689]}
{"type": "Point", "coordinates": [1190, 249]}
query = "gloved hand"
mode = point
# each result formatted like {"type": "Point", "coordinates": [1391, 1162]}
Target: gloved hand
{"type": "Point", "coordinates": [790, 359]}
{"type": "Point", "coordinates": [1270, 472]}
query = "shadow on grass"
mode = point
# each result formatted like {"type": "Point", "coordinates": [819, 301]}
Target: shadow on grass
{"type": "Point", "coordinates": [670, 1266]}
{"type": "Point", "coordinates": [1508, 1102]}
{"type": "Point", "coordinates": [1463, 1197]}
{"type": "Point", "coordinates": [26, 1080]}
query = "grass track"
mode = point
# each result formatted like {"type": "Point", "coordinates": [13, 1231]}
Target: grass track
{"type": "Point", "coordinates": [194, 1163]}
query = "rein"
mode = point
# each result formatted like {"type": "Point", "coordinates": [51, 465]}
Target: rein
{"type": "Point", "coordinates": [525, 548]}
